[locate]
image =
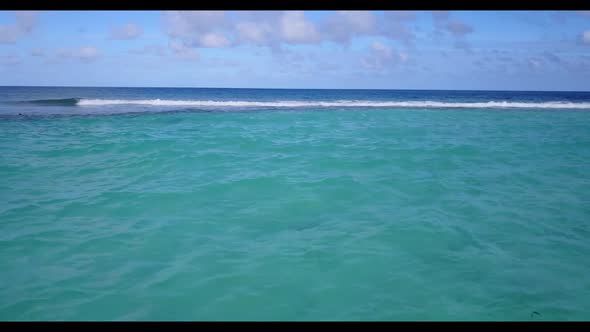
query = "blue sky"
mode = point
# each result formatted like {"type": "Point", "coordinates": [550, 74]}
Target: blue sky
{"type": "Point", "coordinates": [503, 50]}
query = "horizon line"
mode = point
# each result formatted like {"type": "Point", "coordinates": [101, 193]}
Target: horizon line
{"type": "Point", "coordinates": [259, 88]}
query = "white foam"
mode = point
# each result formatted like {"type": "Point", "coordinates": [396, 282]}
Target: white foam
{"type": "Point", "coordinates": [337, 103]}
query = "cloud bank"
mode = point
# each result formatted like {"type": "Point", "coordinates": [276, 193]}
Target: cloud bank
{"type": "Point", "coordinates": [25, 22]}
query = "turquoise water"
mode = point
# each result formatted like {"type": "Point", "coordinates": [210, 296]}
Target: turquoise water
{"type": "Point", "coordinates": [315, 214]}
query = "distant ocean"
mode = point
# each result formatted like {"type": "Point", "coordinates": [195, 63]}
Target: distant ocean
{"type": "Point", "coordinates": [271, 204]}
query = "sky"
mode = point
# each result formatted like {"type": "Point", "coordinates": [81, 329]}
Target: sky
{"type": "Point", "coordinates": [472, 50]}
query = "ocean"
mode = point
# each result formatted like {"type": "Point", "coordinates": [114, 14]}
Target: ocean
{"type": "Point", "coordinates": [276, 204]}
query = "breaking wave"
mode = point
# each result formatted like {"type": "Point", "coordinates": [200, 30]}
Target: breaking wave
{"type": "Point", "coordinates": [337, 103]}
{"type": "Point", "coordinates": [299, 103]}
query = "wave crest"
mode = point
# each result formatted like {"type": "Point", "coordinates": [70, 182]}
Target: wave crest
{"type": "Point", "coordinates": [337, 103]}
{"type": "Point", "coordinates": [300, 103]}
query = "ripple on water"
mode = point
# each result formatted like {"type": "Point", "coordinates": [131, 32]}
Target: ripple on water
{"type": "Point", "coordinates": [362, 215]}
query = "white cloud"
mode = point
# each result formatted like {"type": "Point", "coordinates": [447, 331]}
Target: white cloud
{"type": "Point", "coordinates": [381, 57]}
{"type": "Point", "coordinates": [195, 29]}
{"type": "Point", "coordinates": [342, 26]}
{"type": "Point", "coordinates": [293, 27]}
{"type": "Point", "coordinates": [25, 21]}
{"type": "Point", "coordinates": [296, 29]}
{"type": "Point", "coordinates": [85, 54]}
{"type": "Point", "coordinates": [198, 28]}
{"type": "Point", "coordinates": [126, 32]}
{"type": "Point", "coordinates": [183, 52]}
{"type": "Point", "coordinates": [259, 28]}
{"type": "Point", "coordinates": [213, 39]}
{"type": "Point", "coordinates": [256, 33]}
{"type": "Point", "coordinates": [586, 37]}
{"type": "Point", "coordinates": [443, 22]}
{"type": "Point", "coordinates": [359, 21]}
{"type": "Point", "coordinates": [396, 26]}
{"type": "Point", "coordinates": [217, 29]}
{"type": "Point", "coordinates": [187, 23]}
{"type": "Point", "coordinates": [276, 28]}
{"type": "Point", "coordinates": [444, 25]}
{"type": "Point", "coordinates": [273, 28]}
{"type": "Point", "coordinates": [382, 49]}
